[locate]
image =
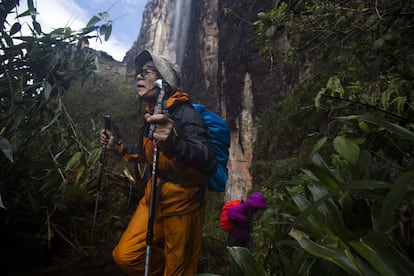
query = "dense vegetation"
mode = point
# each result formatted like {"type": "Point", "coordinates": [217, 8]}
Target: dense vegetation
{"type": "Point", "coordinates": [49, 168]}
{"type": "Point", "coordinates": [342, 202]}
{"type": "Point", "coordinates": [334, 158]}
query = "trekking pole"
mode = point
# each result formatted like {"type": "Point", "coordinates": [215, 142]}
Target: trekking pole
{"type": "Point", "coordinates": [107, 119]}
{"type": "Point", "coordinates": [152, 205]}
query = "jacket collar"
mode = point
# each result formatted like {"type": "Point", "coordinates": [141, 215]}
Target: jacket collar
{"type": "Point", "coordinates": [175, 99]}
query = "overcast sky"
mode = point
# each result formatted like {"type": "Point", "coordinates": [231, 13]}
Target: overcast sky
{"type": "Point", "coordinates": [125, 14]}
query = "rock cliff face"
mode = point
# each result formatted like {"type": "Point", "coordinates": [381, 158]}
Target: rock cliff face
{"type": "Point", "coordinates": [213, 43]}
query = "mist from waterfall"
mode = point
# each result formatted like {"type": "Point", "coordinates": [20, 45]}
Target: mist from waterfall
{"type": "Point", "coordinates": [181, 22]}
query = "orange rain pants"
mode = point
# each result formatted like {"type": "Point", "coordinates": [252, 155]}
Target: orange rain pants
{"type": "Point", "coordinates": [177, 228]}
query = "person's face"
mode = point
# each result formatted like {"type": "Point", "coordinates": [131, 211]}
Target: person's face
{"type": "Point", "coordinates": [145, 82]}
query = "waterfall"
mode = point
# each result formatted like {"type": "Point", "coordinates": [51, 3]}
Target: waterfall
{"type": "Point", "coordinates": [181, 22]}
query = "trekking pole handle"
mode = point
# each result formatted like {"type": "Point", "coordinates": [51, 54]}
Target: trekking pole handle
{"type": "Point", "coordinates": [160, 86]}
{"type": "Point", "coordinates": [107, 119]}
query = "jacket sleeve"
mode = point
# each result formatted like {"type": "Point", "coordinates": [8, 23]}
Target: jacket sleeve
{"type": "Point", "coordinates": [192, 147]}
{"type": "Point", "coordinates": [132, 152]}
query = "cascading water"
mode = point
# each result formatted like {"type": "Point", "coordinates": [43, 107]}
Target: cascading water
{"type": "Point", "coordinates": [181, 22]}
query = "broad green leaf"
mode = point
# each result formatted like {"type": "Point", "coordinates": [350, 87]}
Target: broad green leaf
{"type": "Point", "coordinates": [57, 31]}
{"type": "Point", "coordinates": [47, 89]}
{"type": "Point", "coordinates": [68, 32]}
{"type": "Point", "coordinates": [382, 255]}
{"type": "Point", "coordinates": [321, 218]}
{"type": "Point", "coordinates": [403, 132]}
{"type": "Point", "coordinates": [385, 97]}
{"type": "Point", "coordinates": [93, 21]}
{"type": "Point", "coordinates": [335, 86]}
{"type": "Point", "coordinates": [94, 156]}
{"type": "Point", "coordinates": [379, 43]}
{"type": "Point", "coordinates": [367, 184]}
{"type": "Point", "coordinates": [346, 148]}
{"type": "Point", "coordinates": [325, 176]}
{"type": "Point", "coordinates": [15, 28]}
{"type": "Point", "coordinates": [329, 212]}
{"type": "Point", "coordinates": [317, 99]}
{"type": "Point", "coordinates": [399, 103]}
{"type": "Point", "coordinates": [87, 30]}
{"type": "Point", "coordinates": [30, 4]}
{"type": "Point", "coordinates": [74, 160]}
{"type": "Point", "coordinates": [364, 127]}
{"type": "Point", "coordinates": [319, 145]}
{"type": "Point", "coordinates": [394, 198]}
{"type": "Point", "coordinates": [6, 148]}
{"type": "Point", "coordinates": [108, 32]}
{"type": "Point", "coordinates": [262, 16]}
{"type": "Point", "coordinates": [102, 30]}
{"type": "Point", "coordinates": [30, 11]}
{"type": "Point", "coordinates": [298, 264]}
{"type": "Point", "coordinates": [336, 255]}
{"type": "Point", "coordinates": [8, 40]}
{"type": "Point", "coordinates": [270, 32]}
{"type": "Point", "coordinates": [308, 221]}
{"type": "Point", "coordinates": [80, 171]}
{"type": "Point", "coordinates": [318, 160]}
{"type": "Point", "coordinates": [245, 261]}
{"type": "Point", "coordinates": [37, 27]}
{"type": "Point", "coordinates": [104, 15]}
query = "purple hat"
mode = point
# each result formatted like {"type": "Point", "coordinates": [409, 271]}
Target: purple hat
{"type": "Point", "coordinates": [256, 201]}
{"type": "Point", "coordinates": [237, 213]}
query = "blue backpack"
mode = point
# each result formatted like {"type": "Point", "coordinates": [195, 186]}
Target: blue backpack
{"type": "Point", "coordinates": [219, 132]}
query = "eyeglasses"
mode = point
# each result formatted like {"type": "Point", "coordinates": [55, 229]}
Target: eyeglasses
{"type": "Point", "coordinates": [145, 71]}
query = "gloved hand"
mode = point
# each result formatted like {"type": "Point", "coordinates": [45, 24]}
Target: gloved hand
{"type": "Point", "coordinates": [163, 134]}
{"type": "Point", "coordinates": [107, 138]}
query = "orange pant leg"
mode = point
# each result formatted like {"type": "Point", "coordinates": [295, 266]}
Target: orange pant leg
{"type": "Point", "coordinates": [178, 225]}
{"type": "Point", "coordinates": [130, 252]}
{"type": "Point", "coordinates": [183, 241]}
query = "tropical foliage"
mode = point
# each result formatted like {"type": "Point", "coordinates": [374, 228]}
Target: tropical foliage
{"type": "Point", "coordinates": [43, 196]}
{"type": "Point", "coordinates": [349, 209]}
{"type": "Point", "coordinates": [340, 203]}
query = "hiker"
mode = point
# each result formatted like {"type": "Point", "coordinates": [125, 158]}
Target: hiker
{"type": "Point", "coordinates": [186, 162]}
{"type": "Point", "coordinates": [239, 218]}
